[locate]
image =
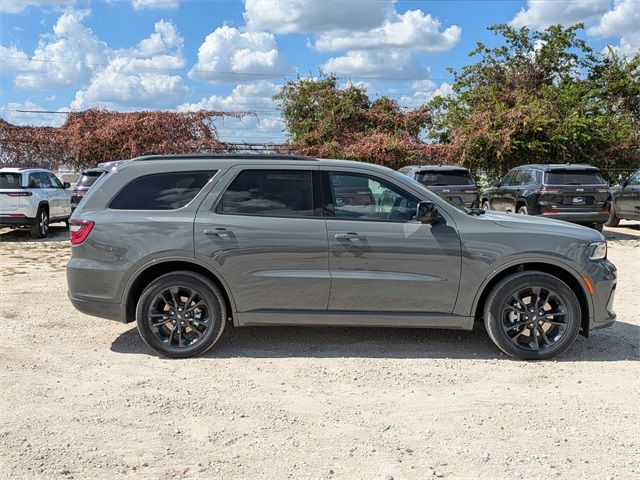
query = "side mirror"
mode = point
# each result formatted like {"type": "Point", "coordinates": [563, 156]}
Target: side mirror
{"type": "Point", "coordinates": [496, 183]}
{"type": "Point", "coordinates": [427, 212]}
{"type": "Point", "coordinates": [624, 184]}
{"type": "Point", "coordinates": [66, 185]}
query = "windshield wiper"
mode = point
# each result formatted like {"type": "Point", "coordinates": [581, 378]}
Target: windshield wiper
{"type": "Point", "coordinates": [476, 211]}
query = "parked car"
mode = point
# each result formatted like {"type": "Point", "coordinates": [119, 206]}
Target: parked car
{"type": "Point", "coordinates": [625, 201]}
{"type": "Point", "coordinates": [184, 244]}
{"type": "Point", "coordinates": [86, 180]}
{"type": "Point", "coordinates": [33, 197]}
{"type": "Point", "coordinates": [451, 182]}
{"type": "Point", "coordinates": [572, 192]}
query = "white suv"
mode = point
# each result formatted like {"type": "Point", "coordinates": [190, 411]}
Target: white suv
{"type": "Point", "coordinates": [33, 197]}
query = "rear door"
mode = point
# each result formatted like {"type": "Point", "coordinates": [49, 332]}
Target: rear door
{"type": "Point", "coordinates": [379, 259]}
{"type": "Point", "coordinates": [262, 229]}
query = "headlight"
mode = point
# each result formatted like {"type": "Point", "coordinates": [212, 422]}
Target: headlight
{"type": "Point", "coordinates": [597, 250]}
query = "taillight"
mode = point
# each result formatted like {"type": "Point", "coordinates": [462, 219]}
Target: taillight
{"type": "Point", "coordinates": [551, 211]}
{"type": "Point", "coordinates": [79, 230]}
{"type": "Point", "coordinates": [18, 194]}
{"type": "Point", "coordinates": [544, 190]}
{"type": "Point", "coordinates": [602, 190]}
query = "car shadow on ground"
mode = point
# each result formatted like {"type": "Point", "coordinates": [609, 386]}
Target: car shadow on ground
{"type": "Point", "coordinates": [618, 343]}
{"type": "Point", "coordinates": [58, 232]}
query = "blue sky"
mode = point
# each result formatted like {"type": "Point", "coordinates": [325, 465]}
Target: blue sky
{"type": "Point", "coordinates": [60, 55]}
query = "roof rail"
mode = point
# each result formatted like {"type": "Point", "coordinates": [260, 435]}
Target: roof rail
{"type": "Point", "coordinates": [213, 156]}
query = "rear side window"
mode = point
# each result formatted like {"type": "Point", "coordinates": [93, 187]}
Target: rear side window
{"type": "Point", "coordinates": [574, 177]}
{"type": "Point", "coordinates": [10, 180]}
{"type": "Point", "coordinates": [274, 193]}
{"type": "Point", "coordinates": [88, 180]}
{"type": "Point", "coordinates": [162, 191]}
{"type": "Point", "coordinates": [444, 178]}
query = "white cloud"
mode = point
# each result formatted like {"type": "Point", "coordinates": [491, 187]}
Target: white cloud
{"type": "Point", "coordinates": [142, 4]}
{"type": "Point", "coordinates": [228, 55]}
{"type": "Point", "coordinates": [139, 77]}
{"type": "Point", "coordinates": [62, 59]}
{"type": "Point", "coordinates": [391, 64]}
{"type": "Point", "coordinates": [542, 13]}
{"type": "Point", "coordinates": [10, 114]}
{"type": "Point", "coordinates": [17, 6]}
{"type": "Point", "coordinates": [256, 96]}
{"type": "Point", "coordinates": [423, 93]}
{"type": "Point", "coordinates": [623, 21]}
{"type": "Point", "coordinates": [413, 29]}
{"type": "Point", "coordinates": [303, 16]}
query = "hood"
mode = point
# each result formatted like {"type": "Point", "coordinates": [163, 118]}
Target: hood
{"type": "Point", "coordinates": [536, 224]}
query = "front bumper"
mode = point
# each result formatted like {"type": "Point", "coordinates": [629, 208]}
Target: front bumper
{"type": "Point", "coordinates": [603, 276]}
{"type": "Point", "coordinates": [578, 217]}
{"type": "Point", "coordinates": [16, 221]}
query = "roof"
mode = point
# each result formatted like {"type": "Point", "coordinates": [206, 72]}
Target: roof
{"type": "Point", "coordinates": [93, 171]}
{"type": "Point", "coordinates": [223, 156]}
{"type": "Point", "coordinates": [561, 166]}
{"type": "Point", "coordinates": [439, 168]}
{"type": "Point", "coordinates": [21, 170]}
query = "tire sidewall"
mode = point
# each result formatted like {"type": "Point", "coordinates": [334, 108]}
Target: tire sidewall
{"type": "Point", "coordinates": [209, 293]}
{"type": "Point", "coordinates": [523, 210]}
{"type": "Point", "coordinates": [501, 293]}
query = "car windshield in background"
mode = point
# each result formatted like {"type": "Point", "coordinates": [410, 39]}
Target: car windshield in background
{"type": "Point", "coordinates": [435, 179]}
{"type": "Point", "coordinates": [10, 180]}
{"type": "Point", "coordinates": [574, 177]}
{"type": "Point", "coordinates": [88, 180]}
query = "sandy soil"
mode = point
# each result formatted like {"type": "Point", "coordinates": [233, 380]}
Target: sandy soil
{"type": "Point", "coordinates": [82, 397]}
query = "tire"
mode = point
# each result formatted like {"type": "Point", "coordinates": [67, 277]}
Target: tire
{"type": "Point", "coordinates": [178, 332]}
{"type": "Point", "coordinates": [523, 210]}
{"type": "Point", "coordinates": [613, 221]}
{"type": "Point", "coordinates": [40, 229]}
{"type": "Point", "coordinates": [597, 226]}
{"type": "Point", "coordinates": [507, 328]}
{"type": "Point", "coordinates": [486, 205]}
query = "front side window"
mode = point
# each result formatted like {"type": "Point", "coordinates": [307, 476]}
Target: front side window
{"type": "Point", "coordinates": [55, 182]}
{"type": "Point", "coordinates": [162, 191]}
{"type": "Point", "coordinates": [635, 179]}
{"type": "Point", "coordinates": [270, 193]}
{"type": "Point", "coordinates": [360, 197]}
{"type": "Point", "coordinates": [508, 177]}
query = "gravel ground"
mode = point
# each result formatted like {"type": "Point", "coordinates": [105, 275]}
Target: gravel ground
{"type": "Point", "coordinates": [83, 397]}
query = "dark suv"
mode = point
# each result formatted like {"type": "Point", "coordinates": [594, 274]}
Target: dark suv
{"type": "Point", "coordinates": [451, 182]}
{"type": "Point", "coordinates": [85, 182]}
{"type": "Point", "coordinates": [185, 244]}
{"type": "Point", "coordinates": [572, 192]}
{"type": "Point", "coordinates": [625, 201]}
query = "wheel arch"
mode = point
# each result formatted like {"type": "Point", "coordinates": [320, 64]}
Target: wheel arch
{"type": "Point", "coordinates": [565, 274]}
{"type": "Point", "coordinates": [148, 273]}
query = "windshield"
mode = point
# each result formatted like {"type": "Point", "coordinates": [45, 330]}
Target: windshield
{"type": "Point", "coordinates": [574, 177]}
{"type": "Point", "coordinates": [443, 178]}
{"type": "Point", "coordinates": [88, 179]}
{"type": "Point", "coordinates": [10, 180]}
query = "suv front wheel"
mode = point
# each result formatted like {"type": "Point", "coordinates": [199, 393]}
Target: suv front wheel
{"type": "Point", "coordinates": [532, 315]}
{"type": "Point", "coordinates": [181, 314]}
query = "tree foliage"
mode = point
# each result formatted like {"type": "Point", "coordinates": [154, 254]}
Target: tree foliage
{"type": "Point", "coordinates": [326, 121]}
{"type": "Point", "coordinates": [541, 97]}
{"type": "Point", "coordinates": [94, 136]}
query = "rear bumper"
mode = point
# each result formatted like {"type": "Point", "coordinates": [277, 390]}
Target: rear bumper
{"type": "Point", "coordinates": [98, 308]}
{"type": "Point", "coordinates": [16, 221]}
{"type": "Point", "coordinates": [578, 217]}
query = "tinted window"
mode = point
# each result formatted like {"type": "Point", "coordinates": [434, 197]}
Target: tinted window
{"type": "Point", "coordinates": [360, 197]}
{"type": "Point", "coordinates": [517, 178]}
{"type": "Point", "coordinates": [10, 180]}
{"type": "Point", "coordinates": [274, 193]}
{"type": "Point", "coordinates": [508, 177]}
{"type": "Point", "coordinates": [35, 181]}
{"type": "Point", "coordinates": [88, 179]}
{"type": "Point", "coordinates": [635, 179]}
{"type": "Point", "coordinates": [164, 191]}
{"type": "Point", "coordinates": [574, 177]}
{"type": "Point", "coordinates": [55, 183]}
{"type": "Point", "coordinates": [444, 178]}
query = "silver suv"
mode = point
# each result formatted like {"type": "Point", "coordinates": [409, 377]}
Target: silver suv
{"type": "Point", "coordinates": [186, 244]}
{"type": "Point", "coordinates": [33, 197]}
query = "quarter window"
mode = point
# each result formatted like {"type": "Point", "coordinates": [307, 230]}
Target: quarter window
{"type": "Point", "coordinates": [270, 193]}
{"type": "Point", "coordinates": [359, 197]}
{"type": "Point", "coordinates": [163, 191]}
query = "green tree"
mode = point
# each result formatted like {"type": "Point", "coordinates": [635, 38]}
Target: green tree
{"type": "Point", "coordinates": [541, 97]}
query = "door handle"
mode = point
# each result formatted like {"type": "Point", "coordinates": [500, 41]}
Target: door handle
{"type": "Point", "coordinates": [219, 232]}
{"type": "Point", "coordinates": [349, 236]}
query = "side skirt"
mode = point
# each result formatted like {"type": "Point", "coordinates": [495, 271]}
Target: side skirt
{"type": "Point", "coordinates": [352, 319]}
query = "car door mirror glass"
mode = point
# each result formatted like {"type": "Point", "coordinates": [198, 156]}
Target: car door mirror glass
{"type": "Point", "coordinates": [66, 185]}
{"type": "Point", "coordinates": [427, 212]}
{"type": "Point", "coordinates": [496, 183]}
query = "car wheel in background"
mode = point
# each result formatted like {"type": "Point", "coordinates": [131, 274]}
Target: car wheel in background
{"type": "Point", "coordinates": [40, 229]}
{"type": "Point", "coordinates": [181, 314]}
{"type": "Point", "coordinates": [523, 210]}
{"type": "Point", "coordinates": [486, 205]}
{"type": "Point", "coordinates": [532, 315]}
{"type": "Point", "coordinates": [613, 221]}
{"type": "Point", "coordinates": [598, 226]}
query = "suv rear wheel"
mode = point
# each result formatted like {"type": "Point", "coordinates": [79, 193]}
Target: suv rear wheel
{"type": "Point", "coordinates": [613, 221]}
{"type": "Point", "coordinates": [522, 210]}
{"type": "Point", "coordinates": [40, 229]}
{"type": "Point", "coordinates": [532, 315]}
{"type": "Point", "coordinates": [181, 314]}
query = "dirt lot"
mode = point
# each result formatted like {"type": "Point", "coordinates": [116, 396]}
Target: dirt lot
{"type": "Point", "coordinates": [83, 397]}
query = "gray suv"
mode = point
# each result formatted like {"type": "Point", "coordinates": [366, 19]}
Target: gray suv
{"type": "Point", "coordinates": [186, 244]}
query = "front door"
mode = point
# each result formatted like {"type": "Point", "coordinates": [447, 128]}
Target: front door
{"type": "Point", "coordinates": [381, 260]}
{"type": "Point", "coordinates": [628, 201]}
{"type": "Point", "coordinates": [263, 231]}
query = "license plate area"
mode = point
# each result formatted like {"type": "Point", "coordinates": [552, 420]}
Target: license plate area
{"type": "Point", "coordinates": [577, 201]}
